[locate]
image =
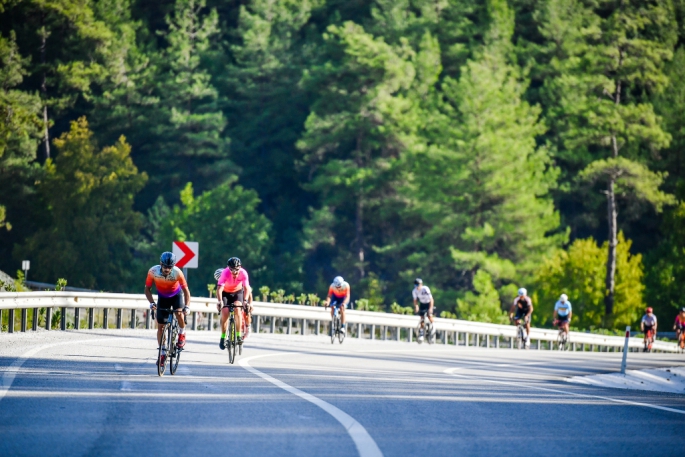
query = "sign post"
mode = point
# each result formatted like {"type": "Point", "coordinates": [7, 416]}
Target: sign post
{"type": "Point", "coordinates": [187, 254]}
{"type": "Point", "coordinates": [26, 266]}
{"type": "Point", "coordinates": [625, 351]}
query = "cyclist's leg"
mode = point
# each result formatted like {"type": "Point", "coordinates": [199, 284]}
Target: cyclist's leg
{"type": "Point", "coordinates": [163, 309]}
{"type": "Point", "coordinates": [342, 315]}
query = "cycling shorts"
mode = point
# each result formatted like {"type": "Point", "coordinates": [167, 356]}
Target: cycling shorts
{"type": "Point", "coordinates": [166, 304]}
{"type": "Point", "coordinates": [335, 301]}
{"type": "Point", "coordinates": [229, 298]}
{"type": "Point", "coordinates": [648, 328]}
{"type": "Point", "coordinates": [424, 309]}
{"type": "Point", "coordinates": [521, 314]}
{"type": "Point", "coordinates": [562, 319]}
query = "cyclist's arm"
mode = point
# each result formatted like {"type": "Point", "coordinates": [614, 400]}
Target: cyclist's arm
{"type": "Point", "coordinates": [219, 291]}
{"type": "Point", "coordinates": [148, 294]}
{"type": "Point", "coordinates": [347, 297]}
{"type": "Point", "coordinates": [554, 316]}
{"type": "Point", "coordinates": [186, 295]}
{"type": "Point", "coordinates": [248, 294]}
{"type": "Point", "coordinates": [530, 310]}
{"type": "Point", "coordinates": [432, 305]}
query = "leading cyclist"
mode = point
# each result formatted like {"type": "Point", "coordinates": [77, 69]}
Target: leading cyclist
{"type": "Point", "coordinates": [563, 313]}
{"type": "Point", "coordinates": [648, 323]}
{"type": "Point", "coordinates": [338, 296]}
{"type": "Point", "coordinates": [233, 288]}
{"type": "Point", "coordinates": [169, 281]}
{"type": "Point", "coordinates": [422, 296]}
{"type": "Point", "coordinates": [523, 306]}
{"type": "Point", "coordinates": [679, 327]}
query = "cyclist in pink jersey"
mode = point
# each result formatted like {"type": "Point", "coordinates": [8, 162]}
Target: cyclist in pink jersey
{"type": "Point", "coordinates": [233, 287]}
{"type": "Point", "coordinates": [169, 281]}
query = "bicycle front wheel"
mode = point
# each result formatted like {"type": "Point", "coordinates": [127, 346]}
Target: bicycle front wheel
{"type": "Point", "coordinates": [231, 341]}
{"type": "Point", "coordinates": [334, 329]}
{"type": "Point", "coordinates": [341, 334]}
{"type": "Point", "coordinates": [175, 353]}
{"type": "Point", "coordinates": [161, 367]}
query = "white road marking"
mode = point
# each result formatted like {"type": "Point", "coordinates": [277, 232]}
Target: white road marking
{"type": "Point", "coordinates": [450, 371]}
{"type": "Point", "coordinates": [366, 446]}
{"type": "Point", "coordinates": [11, 372]}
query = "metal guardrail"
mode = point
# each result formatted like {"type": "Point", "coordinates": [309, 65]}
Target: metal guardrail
{"type": "Point", "coordinates": [289, 319]}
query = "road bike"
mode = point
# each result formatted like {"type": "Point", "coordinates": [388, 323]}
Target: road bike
{"type": "Point", "coordinates": [336, 326]}
{"type": "Point", "coordinates": [167, 349]}
{"type": "Point", "coordinates": [649, 340]}
{"type": "Point", "coordinates": [231, 340]}
{"type": "Point", "coordinates": [562, 337]}
{"type": "Point", "coordinates": [520, 332]}
{"type": "Point", "coordinates": [428, 328]}
{"type": "Point", "coordinates": [681, 339]}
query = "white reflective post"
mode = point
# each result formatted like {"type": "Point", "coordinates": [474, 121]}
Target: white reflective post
{"type": "Point", "coordinates": [625, 351]}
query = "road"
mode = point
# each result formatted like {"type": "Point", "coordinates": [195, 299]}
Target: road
{"type": "Point", "coordinates": [97, 393]}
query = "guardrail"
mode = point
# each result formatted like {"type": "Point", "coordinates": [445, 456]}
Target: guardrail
{"type": "Point", "coordinates": [288, 319]}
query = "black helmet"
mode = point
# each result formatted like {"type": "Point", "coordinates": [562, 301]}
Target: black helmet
{"type": "Point", "coordinates": [233, 263]}
{"type": "Point", "coordinates": [167, 259]}
{"type": "Point", "coordinates": [418, 281]}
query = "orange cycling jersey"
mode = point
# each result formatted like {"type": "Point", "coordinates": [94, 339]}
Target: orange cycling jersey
{"type": "Point", "coordinates": [169, 285]}
{"type": "Point", "coordinates": [341, 293]}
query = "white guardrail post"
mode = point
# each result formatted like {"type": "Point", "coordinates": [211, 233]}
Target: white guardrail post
{"type": "Point", "coordinates": [625, 351]}
{"type": "Point", "coordinates": [280, 318]}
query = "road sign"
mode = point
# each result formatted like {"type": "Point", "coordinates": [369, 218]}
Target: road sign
{"type": "Point", "coordinates": [187, 253]}
{"type": "Point", "coordinates": [25, 265]}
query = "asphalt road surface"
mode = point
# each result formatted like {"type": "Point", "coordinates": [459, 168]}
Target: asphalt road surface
{"type": "Point", "coordinates": [97, 393]}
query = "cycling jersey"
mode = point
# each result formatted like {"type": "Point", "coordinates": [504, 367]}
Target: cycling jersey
{"type": "Point", "coordinates": [649, 320]}
{"type": "Point", "coordinates": [169, 285]}
{"type": "Point", "coordinates": [679, 322]}
{"type": "Point", "coordinates": [423, 296]}
{"type": "Point", "coordinates": [339, 294]}
{"type": "Point", "coordinates": [523, 303]}
{"type": "Point", "coordinates": [563, 309]}
{"type": "Point", "coordinates": [231, 284]}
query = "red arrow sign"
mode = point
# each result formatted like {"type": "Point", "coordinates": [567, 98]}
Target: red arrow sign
{"type": "Point", "coordinates": [186, 252]}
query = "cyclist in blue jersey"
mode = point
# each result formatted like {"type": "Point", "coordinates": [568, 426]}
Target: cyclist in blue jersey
{"type": "Point", "coordinates": [563, 313]}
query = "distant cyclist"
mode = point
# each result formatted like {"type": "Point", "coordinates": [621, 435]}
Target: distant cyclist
{"type": "Point", "coordinates": [679, 327]}
{"type": "Point", "coordinates": [338, 297]}
{"type": "Point", "coordinates": [648, 323]}
{"type": "Point", "coordinates": [523, 307]}
{"type": "Point", "coordinates": [169, 281]}
{"type": "Point", "coordinates": [233, 288]}
{"type": "Point", "coordinates": [423, 303]}
{"type": "Point", "coordinates": [563, 312]}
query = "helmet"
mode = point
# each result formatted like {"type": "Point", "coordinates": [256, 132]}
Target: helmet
{"type": "Point", "coordinates": [338, 281]}
{"type": "Point", "coordinates": [563, 298]}
{"type": "Point", "coordinates": [217, 273]}
{"type": "Point", "coordinates": [418, 281]}
{"type": "Point", "coordinates": [649, 310]}
{"type": "Point", "coordinates": [523, 291]}
{"type": "Point", "coordinates": [167, 259]}
{"type": "Point", "coordinates": [233, 263]}
{"type": "Point", "coordinates": [682, 310]}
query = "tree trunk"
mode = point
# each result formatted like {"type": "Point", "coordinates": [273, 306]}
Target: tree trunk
{"type": "Point", "coordinates": [612, 215]}
{"type": "Point", "coordinates": [44, 89]}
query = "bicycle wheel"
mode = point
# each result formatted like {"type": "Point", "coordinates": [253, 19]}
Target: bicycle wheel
{"type": "Point", "coordinates": [175, 352]}
{"type": "Point", "coordinates": [521, 337]}
{"type": "Point", "coordinates": [418, 334]}
{"type": "Point", "coordinates": [334, 328]}
{"type": "Point", "coordinates": [341, 334]}
{"type": "Point", "coordinates": [161, 367]}
{"type": "Point", "coordinates": [431, 333]}
{"type": "Point", "coordinates": [231, 341]}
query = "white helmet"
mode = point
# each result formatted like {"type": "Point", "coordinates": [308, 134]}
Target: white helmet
{"type": "Point", "coordinates": [217, 273]}
{"type": "Point", "coordinates": [563, 298]}
{"type": "Point", "coordinates": [338, 281]}
{"type": "Point", "coordinates": [522, 292]}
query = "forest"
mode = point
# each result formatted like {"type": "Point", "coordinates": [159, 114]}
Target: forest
{"type": "Point", "coordinates": [482, 145]}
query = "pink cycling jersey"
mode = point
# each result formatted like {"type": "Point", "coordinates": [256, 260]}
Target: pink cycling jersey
{"type": "Point", "coordinates": [233, 284]}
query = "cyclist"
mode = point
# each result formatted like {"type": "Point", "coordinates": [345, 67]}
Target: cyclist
{"type": "Point", "coordinates": [563, 313]}
{"type": "Point", "coordinates": [423, 303]}
{"type": "Point", "coordinates": [169, 281]}
{"type": "Point", "coordinates": [338, 296]}
{"type": "Point", "coordinates": [523, 306]}
{"type": "Point", "coordinates": [648, 323]}
{"type": "Point", "coordinates": [233, 287]}
{"type": "Point", "coordinates": [679, 327]}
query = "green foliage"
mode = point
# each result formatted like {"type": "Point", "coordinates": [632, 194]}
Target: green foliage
{"type": "Point", "coordinates": [397, 309]}
{"type": "Point", "coordinates": [88, 195]}
{"type": "Point", "coordinates": [211, 288]}
{"type": "Point", "coordinates": [61, 284]}
{"type": "Point", "coordinates": [483, 305]}
{"type": "Point", "coordinates": [447, 315]}
{"type": "Point", "coordinates": [579, 273]}
{"type": "Point", "coordinates": [314, 299]}
{"type": "Point", "coordinates": [264, 292]}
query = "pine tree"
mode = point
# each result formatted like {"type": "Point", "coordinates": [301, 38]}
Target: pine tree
{"type": "Point", "coordinates": [611, 54]}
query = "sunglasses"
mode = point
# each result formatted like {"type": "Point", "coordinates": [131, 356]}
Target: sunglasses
{"type": "Point", "coordinates": [235, 271]}
{"type": "Point", "coordinates": [167, 268]}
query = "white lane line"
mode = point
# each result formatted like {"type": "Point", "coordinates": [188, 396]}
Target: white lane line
{"type": "Point", "coordinates": [450, 371]}
{"type": "Point", "coordinates": [366, 446]}
{"type": "Point", "coordinates": [11, 372]}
